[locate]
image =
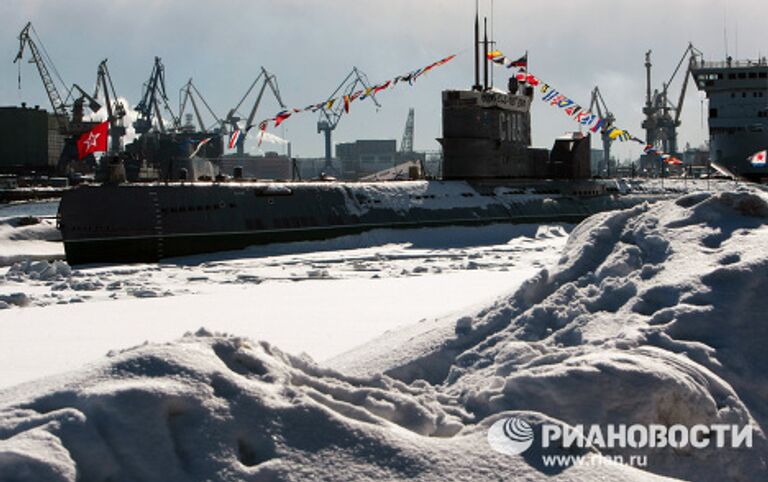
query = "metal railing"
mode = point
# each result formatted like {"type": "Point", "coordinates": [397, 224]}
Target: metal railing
{"type": "Point", "coordinates": [723, 64]}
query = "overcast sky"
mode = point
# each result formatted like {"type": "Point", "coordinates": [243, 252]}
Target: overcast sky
{"type": "Point", "coordinates": [311, 45]}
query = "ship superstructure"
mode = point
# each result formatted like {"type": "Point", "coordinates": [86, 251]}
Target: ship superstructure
{"type": "Point", "coordinates": [738, 112]}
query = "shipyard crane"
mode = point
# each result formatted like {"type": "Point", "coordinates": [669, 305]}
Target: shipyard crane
{"type": "Point", "coordinates": [406, 146]}
{"type": "Point", "coordinates": [233, 119]}
{"type": "Point", "coordinates": [154, 93]}
{"type": "Point", "coordinates": [662, 116]}
{"type": "Point", "coordinates": [115, 107]}
{"type": "Point", "coordinates": [39, 56]}
{"type": "Point", "coordinates": [597, 104]}
{"type": "Point", "coordinates": [331, 112]}
{"type": "Point", "coordinates": [78, 105]}
{"type": "Point", "coordinates": [190, 94]}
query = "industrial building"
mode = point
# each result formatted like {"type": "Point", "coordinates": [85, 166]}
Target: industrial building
{"type": "Point", "coordinates": [364, 157]}
{"type": "Point", "coordinates": [29, 141]}
{"type": "Point", "coordinates": [269, 166]}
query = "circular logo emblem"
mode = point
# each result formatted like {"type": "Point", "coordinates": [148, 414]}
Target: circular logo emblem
{"type": "Point", "coordinates": [510, 436]}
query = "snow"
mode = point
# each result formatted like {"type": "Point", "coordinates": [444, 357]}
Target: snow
{"type": "Point", "coordinates": [28, 232]}
{"type": "Point", "coordinates": [321, 298]}
{"type": "Point", "coordinates": [652, 315]}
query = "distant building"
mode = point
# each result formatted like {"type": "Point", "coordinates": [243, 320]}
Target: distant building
{"type": "Point", "coordinates": [314, 167]}
{"type": "Point", "coordinates": [364, 157]}
{"type": "Point", "coordinates": [29, 141]}
{"type": "Point", "coordinates": [269, 166]}
{"type": "Point", "coordinates": [696, 156]}
{"type": "Point", "coordinates": [598, 162]}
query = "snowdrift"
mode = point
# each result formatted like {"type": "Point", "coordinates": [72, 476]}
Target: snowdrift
{"type": "Point", "coordinates": [225, 408]}
{"type": "Point", "coordinates": [654, 315]}
{"type": "Point", "coordinates": [28, 238]}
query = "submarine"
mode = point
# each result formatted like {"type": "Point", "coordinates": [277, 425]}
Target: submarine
{"type": "Point", "coordinates": [491, 174]}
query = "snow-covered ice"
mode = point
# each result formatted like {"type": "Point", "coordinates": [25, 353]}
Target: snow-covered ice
{"type": "Point", "coordinates": [28, 232]}
{"type": "Point", "coordinates": [653, 315]}
{"type": "Point", "coordinates": [320, 298]}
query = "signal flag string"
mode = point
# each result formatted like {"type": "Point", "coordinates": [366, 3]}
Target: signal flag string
{"type": "Point", "coordinates": [585, 118]}
{"type": "Point", "coordinates": [362, 94]}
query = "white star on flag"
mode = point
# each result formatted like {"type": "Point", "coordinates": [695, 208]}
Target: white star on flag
{"type": "Point", "coordinates": [91, 142]}
{"type": "Point", "coordinates": [759, 158]}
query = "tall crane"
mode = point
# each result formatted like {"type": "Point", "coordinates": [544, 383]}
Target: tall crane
{"type": "Point", "coordinates": [406, 146]}
{"type": "Point", "coordinates": [331, 113]}
{"type": "Point", "coordinates": [597, 104]}
{"type": "Point", "coordinates": [662, 116]}
{"type": "Point", "coordinates": [154, 93]}
{"type": "Point", "coordinates": [190, 94]}
{"type": "Point", "coordinates": [233, 119]}
{"type": "Point", "coordinates": [115, 108]}
{"type": "Point", "coordinates": [58, 105]}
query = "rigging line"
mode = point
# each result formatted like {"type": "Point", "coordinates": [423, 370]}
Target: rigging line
{"type": "Point", "coordinates": [48, 57]}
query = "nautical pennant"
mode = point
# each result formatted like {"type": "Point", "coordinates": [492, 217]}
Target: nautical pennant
{"type": "Point", "coordinates": [281, 116]}
{"type": "Point", "coordinates": [200, 146]}
{"type": "Point", "coordinates": [234, 138]}
{"type": "Point", "coordinates": [759, 159]}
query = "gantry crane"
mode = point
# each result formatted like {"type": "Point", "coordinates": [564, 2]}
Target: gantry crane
{"type": "Point", "coordinates": [597, 104]}
{"type": "Point", "coordinates": [190, 94]}
{"type": "Point", "coordinates": [662, 116]}
{"type": "Point", "coordinates": [233, 119]}
{"type": "Point", "coordinates": [154, 93]}
{"type": "Point", "coordinates": [331, 113]}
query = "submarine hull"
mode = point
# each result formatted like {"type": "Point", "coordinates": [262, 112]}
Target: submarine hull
{"type": "Point", "coordinates": [128, 223]}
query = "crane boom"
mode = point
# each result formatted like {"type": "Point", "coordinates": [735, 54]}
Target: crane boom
{"type": "Point", "coordinates": [693, 51]}
{"type": "Point", "coordinates": [59, 108]}
{"type": "Point", "coordinates": [598, 103]}
{"type": "Point", "coordinates": [189, 92]}
{"type": "Point", "coordinates": [271, 81]}
{"type": "Point", "coordinates": [331, 115]}
{"type": "Point", "coordinates": [154, 92]}
{"type": "Point", "coordinates": [267, 80]}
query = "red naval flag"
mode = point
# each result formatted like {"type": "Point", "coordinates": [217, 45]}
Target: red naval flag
{"type": "Point", "coordinates": [95, 140]}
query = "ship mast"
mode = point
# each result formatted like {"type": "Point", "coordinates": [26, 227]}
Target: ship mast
{"type": "Point", "coordinates": [485, 53]}
{"type": "Point", "coordinates": [476, 43]}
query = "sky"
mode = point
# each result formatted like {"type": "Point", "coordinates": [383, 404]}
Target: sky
{"type": "Point", "coordinates": [311, 45]}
